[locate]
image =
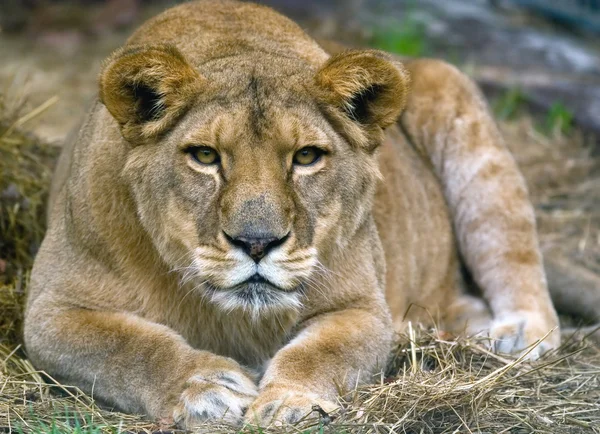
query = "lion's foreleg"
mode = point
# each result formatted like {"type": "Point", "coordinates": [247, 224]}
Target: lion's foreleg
{"type": "Point", "coordinates": [334, 351]}
{"type": "Point", "coordinates": [136, 365]}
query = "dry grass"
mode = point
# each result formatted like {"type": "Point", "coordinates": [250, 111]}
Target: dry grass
{"type": "Point", "coordinates": [563, 175]}
{"type": "Point", "coordinates": [432, 385]}
{"type": "Point", "coordinates": [25, 170]}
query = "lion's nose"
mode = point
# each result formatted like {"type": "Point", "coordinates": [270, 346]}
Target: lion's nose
{"type": "Point", "coordinates": [256, 248]}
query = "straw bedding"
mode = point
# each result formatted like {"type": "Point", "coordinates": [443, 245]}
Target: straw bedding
{"type": "Point", "coordinates": [433, 384]}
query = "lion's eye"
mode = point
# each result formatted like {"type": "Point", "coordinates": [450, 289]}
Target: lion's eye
{"type": "Point", "coordinates": [307, 156]}
{"type": "Point", "coordinates": [204, 155]}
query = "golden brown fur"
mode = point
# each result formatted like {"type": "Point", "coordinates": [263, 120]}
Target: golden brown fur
{"type": "Point", "coordinates": [142, 290]}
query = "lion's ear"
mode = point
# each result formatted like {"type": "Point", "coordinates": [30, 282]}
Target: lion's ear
{"type": "Point", "coordinates": [368, 86]}
{"type": "Point", "coordinates": [147, 88]}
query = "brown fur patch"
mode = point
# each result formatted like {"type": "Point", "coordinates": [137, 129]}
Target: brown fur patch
{"type": "Point", "coordinates": [522, 257]}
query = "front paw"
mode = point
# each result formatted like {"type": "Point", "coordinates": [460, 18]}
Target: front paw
{"type": "Point", "coordinates": [282, 405]}
{"type": "Point", "coordinates": [218, 395]}
{"type": "Point", "coordinates": [517, 332]}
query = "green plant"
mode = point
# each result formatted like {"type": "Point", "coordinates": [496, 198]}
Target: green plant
{"type": "Point", "coordinates": [508, 105]}
{"type": "Point", "coordinates": [406, 37]}
{"type": "Point", "coordinates": [67, 422]}
{"type": "Point", "coordinates": [559, 119]}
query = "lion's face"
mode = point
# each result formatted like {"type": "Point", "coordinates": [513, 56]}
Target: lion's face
{"type": "Point", "coordinates": [260, 177]}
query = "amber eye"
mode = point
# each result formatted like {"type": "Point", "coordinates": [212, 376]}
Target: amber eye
{"type": "Point", "coordinates": [204, 155]}
{"type": "Point", "coordinates": [307, 156]}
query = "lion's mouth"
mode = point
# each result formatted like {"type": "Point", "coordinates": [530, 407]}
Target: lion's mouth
{"type": "Point", "coordinates": [258, 279]}
{"type": "Point", "coordinates": [256, 282]}
{"type": "Point", "coordinates": [255, 293]}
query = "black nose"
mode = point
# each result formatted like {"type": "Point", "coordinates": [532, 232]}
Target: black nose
{"type": "Point", "coordinates": [256, 248]}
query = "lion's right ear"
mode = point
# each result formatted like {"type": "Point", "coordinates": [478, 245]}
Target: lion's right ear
{"type": "Point", "coordinates": [367, 87]}
{"type": "Point", "coordinates": [147, 88]}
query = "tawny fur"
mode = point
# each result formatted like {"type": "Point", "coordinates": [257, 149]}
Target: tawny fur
{"type": "Point", "coordinates": [133, 292]}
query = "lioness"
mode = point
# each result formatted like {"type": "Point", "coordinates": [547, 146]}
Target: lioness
{"type": "Point", "coordinates": [233, 235]}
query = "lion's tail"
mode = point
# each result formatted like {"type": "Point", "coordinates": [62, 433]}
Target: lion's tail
{"type": "Point", "coordinates": [575, 290]}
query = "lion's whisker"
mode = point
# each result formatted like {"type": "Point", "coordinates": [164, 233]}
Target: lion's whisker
{"type": "Point", "coordinates": [319, 288]}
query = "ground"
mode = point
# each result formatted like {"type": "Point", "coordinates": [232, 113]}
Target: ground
{"type": "Point", "coordinates": [433, 383]}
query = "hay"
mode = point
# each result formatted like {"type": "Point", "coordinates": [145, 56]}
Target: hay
{"type": "Point", "coordinates": [432, 384]}
{"type": "Point", "coordinates": [459, 386]}
{"type": "Point", "coordinates": [25, 170]}
{"type": "Point", "coordinates": [563, 175]}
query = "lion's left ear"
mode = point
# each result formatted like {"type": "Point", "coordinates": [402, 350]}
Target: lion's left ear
{"type": "Point", "coordinates": [147, 88]}
{"type": "Point", "coordinates": [368, 86]}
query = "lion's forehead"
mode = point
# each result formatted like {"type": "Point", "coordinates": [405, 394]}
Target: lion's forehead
{"type": "Point", "coordinates": [246, 61]}
{"type": "Point", "coordinates": [251, 122]}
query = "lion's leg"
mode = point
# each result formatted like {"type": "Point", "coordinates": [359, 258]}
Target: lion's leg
{"type": "Point", "coordinates": [332, 353]}
{"type": "Point", "coordinates": [136, 365]}
{"type": "Point", "coordinates": [468, 315]}
{"type": "Point", "coordinates": [447, 120]}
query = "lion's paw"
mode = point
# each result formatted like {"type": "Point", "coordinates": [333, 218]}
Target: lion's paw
{"type": "Point", "coordinates": [518, 332]}
{"type": "Point", "coordinates": [218, 396]}
{"type": "Point", "coordinates": [287, 406]}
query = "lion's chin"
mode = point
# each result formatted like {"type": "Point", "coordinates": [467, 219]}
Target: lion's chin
{"type": "Point", "coordinates": [257, 298]}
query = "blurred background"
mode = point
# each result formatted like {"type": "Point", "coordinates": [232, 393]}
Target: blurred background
{"type": "Point", "coordinates": [537, 61]}
{"type": "Point", "coordinates": [544, 51]}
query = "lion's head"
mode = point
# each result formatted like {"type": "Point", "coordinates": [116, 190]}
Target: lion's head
{"type": "Point", "coordinates": [248, 172]}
